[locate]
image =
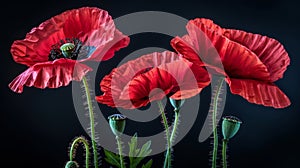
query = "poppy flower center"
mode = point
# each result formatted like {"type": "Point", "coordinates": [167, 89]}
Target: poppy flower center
{"type": "Point", "coordinates": [71, 49]}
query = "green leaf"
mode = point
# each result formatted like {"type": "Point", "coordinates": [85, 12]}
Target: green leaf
{"type": "Point", "coordinates": [112, 158]}
{"type": "Point", "coordinates": [136, 154]}
{"type": "Point", "coordinates": [145, 151]}
{"type": "Point", "coordinates": [133, 146]}
{"type": "Point", "coordinates": [148, 164]}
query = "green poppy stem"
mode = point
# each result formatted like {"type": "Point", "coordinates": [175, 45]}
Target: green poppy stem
{"type": "Point", "coordinates": [214, 122]}
{"type": "Point", "coordinates": [86, 146]}
{"type": "Point", "coordinates": [120, 151]}
{"type": "Point", "coordinates": [175, 125]}
{"type": "Point", "coordinates": [165, 122]}
{"type": "Point", "coordinates": [172, 138]}
{"type": "Point", "coordinates": [224, 155]}
{"type": "Point", "coordinates": [92, 121]}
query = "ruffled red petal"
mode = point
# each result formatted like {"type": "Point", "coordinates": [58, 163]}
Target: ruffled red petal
{"type": "Point", "coordinates": [185, 47]}
{"type": "Point", "coordinates": [175, 79]}
{"type": "Point", "coordinates": [117, 84]}
{"type": "Point", "coordinates": [270, 51]}
{"type": "Point", "coordinates": [251, 61]}
{"type": "Point", "coordinates": [259, 92]}
{"type": "Point", "coordinates": [106, 51]}
{"type": "Point", "coordinates": [50, 74]}
{"type": "Point", "coordinates": [220, 52]}
{"type": "Point", "coordinates": [91, 25]}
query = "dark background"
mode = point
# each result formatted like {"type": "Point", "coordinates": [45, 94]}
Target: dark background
{"type": "Point", "coordinates": [38, 125]}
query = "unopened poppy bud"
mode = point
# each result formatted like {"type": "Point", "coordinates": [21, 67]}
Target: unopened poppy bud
{"type": "Point", "coordinates": [230, 126]}
{"type": "Point", "coordinates": [117, 123]}
{"type": "Point", "coordinates": [71, 164]}
{"type": "Point", "coordinates": [67, 49]}
{"type": "Point", "coordinates": [177, 104]}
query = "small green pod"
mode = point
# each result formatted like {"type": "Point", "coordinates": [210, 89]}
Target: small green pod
{"type": "Point", "coordinates": [230, 126]}
{"type": "Point", "coordinates": [67, 49]}
{"type": "Point", "coordinates": [117, 123]}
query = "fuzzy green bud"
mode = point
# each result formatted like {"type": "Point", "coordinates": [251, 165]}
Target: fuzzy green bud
{"type": "Point", "coordinates": [117, 123]}
{"type": "Point", "coordinates": [230, 126]}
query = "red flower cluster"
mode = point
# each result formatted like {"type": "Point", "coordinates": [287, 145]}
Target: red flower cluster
{"type": "Point", "coordinates": [90, 30]}
{"type": "Point", "coordinates": [250, 62]}
{"type": "Point", "coordinates": [55, 50]}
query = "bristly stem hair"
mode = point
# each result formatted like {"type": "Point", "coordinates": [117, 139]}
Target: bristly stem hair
{"type": "Point", "coordinates": [216, 101]}
{"type": "Point", "coordinates": [165, 122]}
{"type": "Point", "coordinates": [92, 120]}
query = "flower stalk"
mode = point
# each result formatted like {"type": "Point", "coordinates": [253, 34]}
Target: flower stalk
{"type": "Point", "coordinates": [119, 142]}
{"type": "Point", "coordinates": [224, 155]}
{"type": "Point", "coordinates": [92, 120]}
{"type": "Point", "coordinates": [216, 99]}
{"type": "Point", "coordinates": [165, 122]}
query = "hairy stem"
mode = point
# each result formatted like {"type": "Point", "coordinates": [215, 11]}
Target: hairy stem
{"type": "Point", "coordinates": [175, 125]}
{"type": "Point", "coordinates": [92, 120]}
{"type": "Point", "coordinates": [165, 122]}
{"type": "Point", "coordinates": [214, 122]}
{"type": "Point", "coordinates": [172, 138]}
{"type": "Point", "coordinates": [224, 155]}
{"type": "Point", "coordinates": [120, 151]}
{"type": "Point", "coordinates": [86, 146]}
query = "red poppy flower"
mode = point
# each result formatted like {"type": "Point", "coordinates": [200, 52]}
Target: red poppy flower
{"type": "Point", "coordinates": [133, 84]}
{"type": "Point", "coordinates": [250, 62]}
{"type": "Point", "coordinates": [52, 49]}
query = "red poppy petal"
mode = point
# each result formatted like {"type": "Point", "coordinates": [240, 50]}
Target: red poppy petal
{"type": "Point", "coordinates": [113, 84]}
{"type": "Point", "coordinates": [84, 21]}
{"type": "Point", "coordinates": [185, 47]}
{"type": "Point", "coordinates": [106, 99]}
{"type": "Point", "coordinates": [270, 51]}
{"type": "Point", "coordinates": [170, 78]}
{"type": "Point", "coordinates": [259, 92]}
{"type": "Point", "coordinates": [91, 25]}
{"type": "Point", "coordinates": [50, 74]}
{"type": "Point", "coordinates": [107, 50]}
{"type": "Point", "coordinates": [218, 51]}
{"type": "Point", "coordinates": [36, 47]}
{"type": "Point", "coordinates": [208, 24]}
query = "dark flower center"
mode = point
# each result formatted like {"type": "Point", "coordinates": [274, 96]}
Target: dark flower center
{"type": "Point", "coordinates": [70, 48]}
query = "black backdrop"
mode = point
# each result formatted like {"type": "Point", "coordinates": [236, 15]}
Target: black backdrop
{"type": "Point", "coordinates": [38, 125]}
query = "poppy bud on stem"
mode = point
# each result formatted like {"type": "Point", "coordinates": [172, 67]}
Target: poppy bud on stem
{"type": "Point", "coordinates": [117, 123]}
{"type": "Point", "coordinates": [230, 127]}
